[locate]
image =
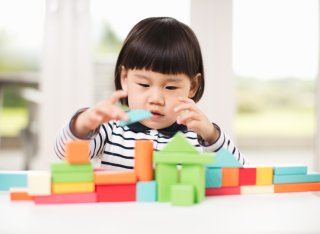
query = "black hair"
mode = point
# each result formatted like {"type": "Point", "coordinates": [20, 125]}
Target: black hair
{"type": "Point", "coordinates": [164, 45]}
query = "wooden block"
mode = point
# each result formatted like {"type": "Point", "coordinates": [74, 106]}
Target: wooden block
{"type": "Point", "coordinates": [19, 194]}
{"type": "Point", "coordinates": [146, 191]}
{"type": "Point", "coordinates": [183, 158]}
{"type": "Point", "coordinates": [264, 175]}
{"type": "Point", "coordinates": [296, 187]}
{"type": "Point", "coordinates": [143, 160]}
{"type": "Point", "coordinates": [10, 179]}
{"type": "Point", "coordinates": [285, 179]}
{"type": "Point", "coordinates": [230, 177]}
{"type": "Point", "coordinates": [166, 176]}
{"type": "Point", "coordinates": [223, 191]}
{"type": "Point", "coordinates": [66, 198]}
{"type": "Point", "coordinates": [77, 152]}
{"type": "Point", "coordinates": [182, 195]}
{"type": "Point", "coordinates": [213, 177]}
{"type": "Point", "coordinates": [255, 189]}
{"type": "Point", "coordinates": [136, 116]}
{"type": "Point", "coordinates": [225, 159]}
{"type": "Point", "coordinates": [73, 177]}
{"type": "Point", "coordinates": [290, 170]}
{"type": "Point", "coordinates": [116, 193]}
{"type": "Point", "coordinates": [115, 177]}
{"type": "Point", "coordinates": [73, 187]}
{"type": "Point", "coordinates": [39, 183]}
{"type": "Point", "coordinates": [64, 167]}
{"type": "Point", "coordinates": [247, 176]}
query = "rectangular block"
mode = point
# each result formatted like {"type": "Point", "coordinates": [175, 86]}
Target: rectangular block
{"type": "Point", "coordinates": [73, 177]}
{"type": "Point", "coordinates": [73, 187]}
{"type": "Point", "coordinates": [285, 179]}
{"type": "Point", "coordinates": [255, 189]}
{"type": "Point", "coordinates": [213, 177]}
{"type": "Point", "coordinates": [146, 191]}
{"type": "Point", "coordinates": [166, 175]}
{"type": "Point", "coordinates": [19, 194]}
{"type": "Point", "coordinates": [296, 187]}
{"type": "Point", "coordinates": [64, 167]}
{"type": "Point", "coordinates": [183, 158]}
{"type": "Point", "coordinates": [115, 177]}
{"type": "Point", "coordinates": [77, 152]}
{"type": "Point", "coordinates": [10, 179]}
{"type": "Point", "coordinates": [264, 176]}
{"type": "Point", "coordinates": [39, 183]}
{"type": "Point", "coordinates": [223, 191]}
{"type": "Point", "coordinates": [182, 195]}
{"type": "Point", "coordinates": [230, 177]}
{"type": "Point", "coordinates": [247, 176]}
{"type": "Point", "coordinates": [66, 198]}
{"type": "Point", "coordinates": [290, 170]}
{"type": "Point", "coordinates": [116, 193]}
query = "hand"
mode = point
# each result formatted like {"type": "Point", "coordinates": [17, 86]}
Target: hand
{"type": "Point", "coordinates": [103, 112]}
{"type": "Point", "coordinates": [195, 120]}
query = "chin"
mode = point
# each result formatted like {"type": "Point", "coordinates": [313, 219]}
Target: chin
{"type": "Point", "coordinates": [155, 125]}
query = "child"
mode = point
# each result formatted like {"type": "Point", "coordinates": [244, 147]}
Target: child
{"type": "Point", "coordinates": [159, 69]}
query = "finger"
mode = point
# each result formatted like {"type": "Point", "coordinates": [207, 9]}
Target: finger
{"type": "Point", "coordinates": [117, 95]}
{"type": "Point", "coordinates": [185, 100]}
{"type": "Point", "coordinates": [190, 116]}
{"type": "Point", "coordinates": [119, 114]}
{"type": "Point", "coordinates": [182, 107]}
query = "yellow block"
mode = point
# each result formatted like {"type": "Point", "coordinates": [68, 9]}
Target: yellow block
{"type": "Point", "coordinates": [264, 176]}
{"type": "Point", "coordinates": [73, 187]}
{"type": "Point", "coordinates": [253, 189]}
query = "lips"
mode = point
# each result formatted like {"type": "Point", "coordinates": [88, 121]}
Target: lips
{"type": "Point", "coordinates": [156, 114]}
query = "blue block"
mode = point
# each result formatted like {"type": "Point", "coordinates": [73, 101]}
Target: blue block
{"type": "Point", "coordinates": [146, 191]}
{"type": "Point", "coordinates": [225, 159]}
{"type": "Point", "coordinates": [213, 177]}
{"type": "Point", "coordinates": [136, 116]}
{"type": "Point", "coordinates": [290, 170]}
{"type": "Point", "coordinates": [286, 179]}
{"type": "Point", "coordinates": [10, 179]}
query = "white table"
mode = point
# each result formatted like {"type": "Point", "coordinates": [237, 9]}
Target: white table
{"type": "Point", "coordinates": [267, 213]}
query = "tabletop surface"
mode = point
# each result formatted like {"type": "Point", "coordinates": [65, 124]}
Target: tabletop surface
{"type": "Point", "coordinates": [263, 213]}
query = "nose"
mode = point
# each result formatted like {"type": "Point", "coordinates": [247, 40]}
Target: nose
{"type": "Point", "coordinates": [156, 97]}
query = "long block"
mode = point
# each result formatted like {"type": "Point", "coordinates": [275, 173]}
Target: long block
{"type": "Point", "coordinates": [183, 158]}
{"type": "Point", "coordinates": [39, 183]}
{"type": "Point", "coordinates": [223, 191]}
{"type": "Point", "coordinates": [213, 177]}
{"type": "Point", "coordinates": [290, 170]}
{"type": "Point", "coordinates": [19, 194]}
{"type": "Point", "coordinates": [116, 193]}
{"type": "Point", "coordinates": [284, 179]}
{"type": "Point", "coordinates": [230, 177]}
{"type": "Point", "coordinates": [77, 152]}
{"type": "Point", "coordinates": [182, 195]}
{"type": "Point", "coordinates": [66, 198]}
{"type": "Point", "coordinates": [166, 176]}
{"type": "Point", "coordinates": [146, 191]}
{"type": "Point", "coordinates": [264, 176]}
{"type": "Point", "coordinates": [296, 187]}
{"type": "Point", "coordinates": [143, 163]}
{"type": "Point", "coordinates": [115, 177]}
{"type": "Point", "coordinates": [255, 189]}
{"type": "Point", "coordinates": [10, 179]}
{"type": "Point", "coordinates": [64, 167]}
{"type": "Point", "coordinates": [247, 176]}
{"type": "Point", "coordinates": [73, 177]}
{"type": "Point", "coordinates": [73, 187]}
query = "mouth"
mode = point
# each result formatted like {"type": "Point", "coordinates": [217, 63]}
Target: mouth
{"type": "Point", "coordinates": [156, 114]}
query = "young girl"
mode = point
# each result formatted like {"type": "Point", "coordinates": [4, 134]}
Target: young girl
{"type": "Point", "coordinates": [159, 69]}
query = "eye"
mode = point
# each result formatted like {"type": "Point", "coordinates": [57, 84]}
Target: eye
{"type": "Point", "coordinates": [144, 85]}
{"type": "Point", "coordinates": [171, 87]}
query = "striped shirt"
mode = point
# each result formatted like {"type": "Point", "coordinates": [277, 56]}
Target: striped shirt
{"type": "Point", "coordinates": [114, 144]}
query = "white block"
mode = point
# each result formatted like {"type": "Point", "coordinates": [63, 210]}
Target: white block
{"type": "Point", "coordinates": [39, 183]}
{"type": "Point", "coordinates": [254, 189]}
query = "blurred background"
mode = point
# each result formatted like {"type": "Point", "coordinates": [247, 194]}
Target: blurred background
{"type": "Point", "coordinates": [57, 56]}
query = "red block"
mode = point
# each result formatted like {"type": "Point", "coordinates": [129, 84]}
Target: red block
{"type": "Point", "coordinates": [247, 176]}
{"type": "Point", "coordinates": [66, 198]}
{"type": "Point", "coordinates": [223, 191]}
{"type": "Point", "coordinates": [116, 192]}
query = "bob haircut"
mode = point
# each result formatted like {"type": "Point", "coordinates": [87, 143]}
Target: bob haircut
{"type": "Point", "coordinates": [164, 45]}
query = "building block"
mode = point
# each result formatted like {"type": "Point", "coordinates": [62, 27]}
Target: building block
{"type": "Point", "coordinates": [146, 191]}
{"type": "Point", "coordinates": [66, 198]}
{"type": "Point", "coordinates": [223, 191]}
{"type": "Point", "coordinates": [285, 179]}
{"type": "Point", "coordinates": [77, 152]}
{"type": "Point", "coordinates": [39, 183]}
{"type": "Point", "coordinates": [182, 195]}
{"type": "Point", "coordinates": [225, 159]}
{"type": "Point", "coordinates": [230, 177]}
{"type": "Point", "coordinates": [72, 177]}
{"type": "Point", "coordinates": [136, 116]}
{"type": "Point", "coordinates": [116, 193]}
{"type": "Point", "coordinates": [194, 175]}
{"type": "Point", "coordinates": [290, 170]}
{"type": "Point", "coordinates": [296, 187]}
{"type": "Point", "coordinates": [10, 179]}
{"type": "Point", "coordinates": [19, 194]}
{"type": "Point", "coordinates": [255, 189]}
{"type": "Point", "coordinates": [73, 187]}
{"type": "Point", "coordinates": [183, 158]}
{"type": "Point", "coordinates": [179, 143]}
{"type": "Point", "coordinates": [247, 176]}
{"type": "Point", "coordinates": [166, 176]}
{"type": "Point", "coordinates": [63, 167]}
{"type": "Point", "coordinates": [213, 177]}
{"type": "Point", "coordinates": [264, 175]}
{"type": "Point", "coordinates": [143, 160]}
{"type": "Point", "coordinates": [115, 177]}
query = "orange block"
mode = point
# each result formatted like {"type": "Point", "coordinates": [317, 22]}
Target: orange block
{"type": "Point", "coordinates": [296, 187]}
{"type": "Point", "coordinates": [77, 152]}
{"type": "Point", "coordinates": [230, 177]}
{"type": "Point", "coordinates": [143, 165]}
{"type": "Point", "coordinates": [19, 194]}
{"type": "Point", "coordinates": [114, 177]}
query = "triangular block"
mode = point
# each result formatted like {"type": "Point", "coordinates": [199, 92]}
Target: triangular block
{"type": "Point", "coordinates": [225, 159]}
{"type": "Point", "coordinates": [179, 143]}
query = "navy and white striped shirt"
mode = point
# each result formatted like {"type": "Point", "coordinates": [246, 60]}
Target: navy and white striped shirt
{"type": "Point", "coordinates": [114, 144]}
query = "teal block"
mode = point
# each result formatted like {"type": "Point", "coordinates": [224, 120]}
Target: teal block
{"type": "Point", "coordinates": [166, 176]}
{"type": "Point", "coordinates": [290, 170]}
{"type": "Point", "coordinates": [182, 195]}
{"type": "Point", "coordinates": [286, 179]}
{"type": "Point", "coordinates": [13, 179]}
{"type": "Point", "coordinates": [224, 158]}
{"type": "Point", "coordinates": [146, 191]}
{"type": "Point", "coordinates": [213, 177]}
{"type": "Point", "coordinates": [136, 116]}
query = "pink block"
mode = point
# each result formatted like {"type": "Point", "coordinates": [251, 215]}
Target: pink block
{"type": "Point", "coordinates": [223, 191]}
{"type": "Point", "coordinates": [66, 198]}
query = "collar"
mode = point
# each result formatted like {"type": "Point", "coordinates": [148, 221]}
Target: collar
{"type": "Point", "coordinates": [168, 131]}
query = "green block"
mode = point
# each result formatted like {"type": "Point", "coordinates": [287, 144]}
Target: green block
{"type": "Point", "coordinates": [224, 158]}
{"type": "Point", "coordinates": [284, 179]}
{"type": "Point", "coordinates": [66, 167]}
{"type": "Point", "coordinates": [182, 195]}
{"type": "Point", "coordinates": [183, 158]}
{"type": "Point", "coordinates": [290, 170]}
{"type": "Point", "coordinates": [72, 177]}
{"type": "Point", "coordinates": [213, 177]}
{"type": "Point", "coordinates": [195, 176]}
{"type": "Point", "coordinates": [166, 176]}
{"type": "Point", "coordinates": [179, 143]}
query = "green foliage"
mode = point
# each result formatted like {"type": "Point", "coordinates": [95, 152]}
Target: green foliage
{"type": "Point", "coordinates": [109, 42]}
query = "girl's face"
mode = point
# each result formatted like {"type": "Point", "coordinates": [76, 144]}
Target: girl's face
{"type": "Point", "coordinates": [157, 93]}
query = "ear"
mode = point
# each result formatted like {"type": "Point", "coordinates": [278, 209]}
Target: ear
{"type": "Point", "coordinates": [124, 78]}
{"type": "Point", "coordinates": [195, 83]}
